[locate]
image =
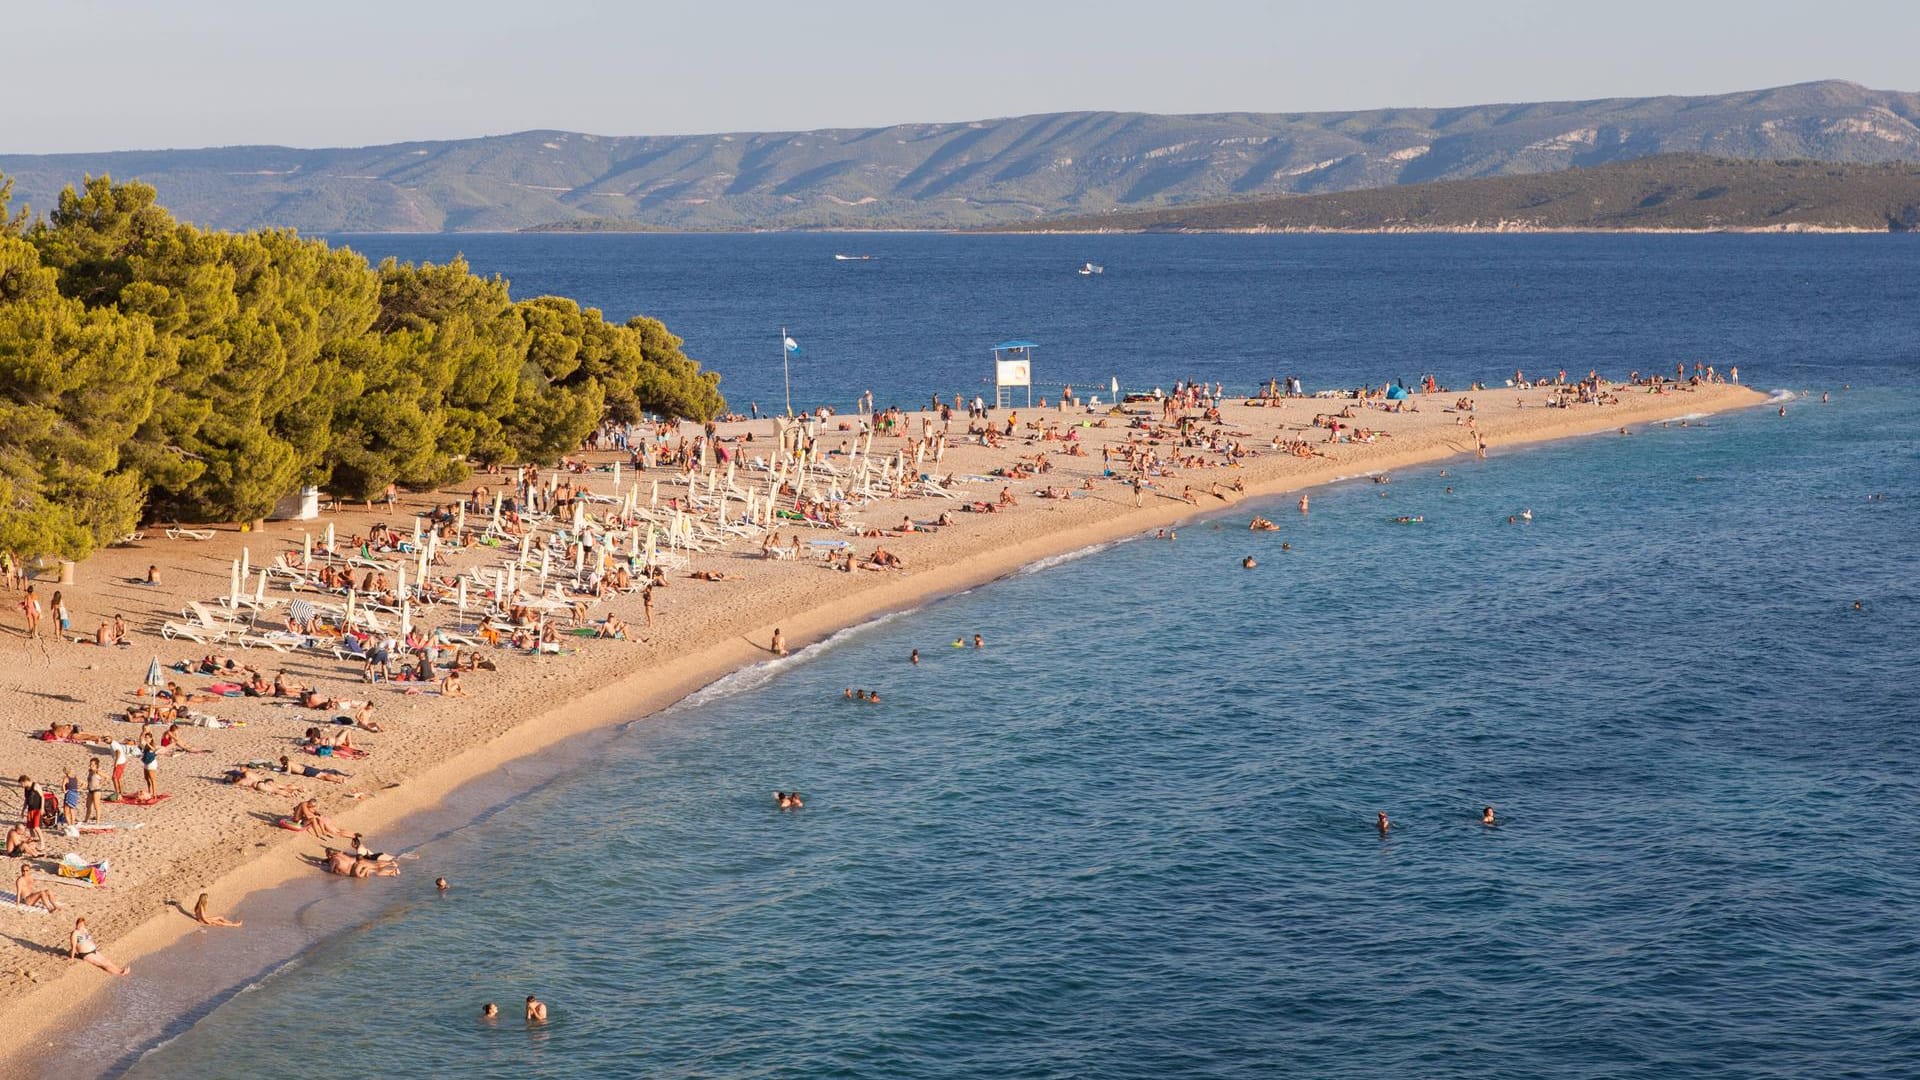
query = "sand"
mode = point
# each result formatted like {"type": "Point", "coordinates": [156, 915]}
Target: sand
{"type": "Point", "coordinates": [212, 837]}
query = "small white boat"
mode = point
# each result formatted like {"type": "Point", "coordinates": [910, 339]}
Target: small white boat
{"type": "Point", "coordinates": [852, 258]}
{"type": "Point", "coordinates": [1088, 270]}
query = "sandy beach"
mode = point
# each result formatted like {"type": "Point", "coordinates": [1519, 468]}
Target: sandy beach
{"type": "Point", "coordinates": [212, 837]}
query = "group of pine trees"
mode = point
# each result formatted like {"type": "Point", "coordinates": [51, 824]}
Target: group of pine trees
{"type": "Point", "coordinates": [153, 370]}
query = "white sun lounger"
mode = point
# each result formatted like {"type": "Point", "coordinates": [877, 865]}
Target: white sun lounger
{"type": "Point", "coordinates": [189, 534]}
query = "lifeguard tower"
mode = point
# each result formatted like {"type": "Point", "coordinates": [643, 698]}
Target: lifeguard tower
{"type": "Point", "coordinates": [1012, 369]}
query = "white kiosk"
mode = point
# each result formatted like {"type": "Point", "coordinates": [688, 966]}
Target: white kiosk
{"type": "Point", "coordinates": [1012, 368]}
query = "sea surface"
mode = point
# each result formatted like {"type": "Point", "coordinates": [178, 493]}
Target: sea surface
{"type": "Point", "coordinates": [1134, 834]}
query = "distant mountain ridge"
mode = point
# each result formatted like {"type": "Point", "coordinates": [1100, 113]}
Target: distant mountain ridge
{"type": "Point", "coordinates": [966, 174]}
{"type": "Point", "coordinates": [1666, 192]}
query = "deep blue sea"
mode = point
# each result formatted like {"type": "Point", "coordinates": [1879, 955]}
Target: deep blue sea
{"type": "Point", "coordinates": [1133, 835]}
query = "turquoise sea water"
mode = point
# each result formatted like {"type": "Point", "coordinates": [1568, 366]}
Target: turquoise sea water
{"type": "Point", "coordinates": [1133, 835]}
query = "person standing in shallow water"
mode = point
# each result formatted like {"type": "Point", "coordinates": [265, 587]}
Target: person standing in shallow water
{"type": "Point", "coordinates": [1380, 822]}
{"type": "Point", "coordinates": [536, 1010]}
{"type": "Point", "coordinates": [778, 646]}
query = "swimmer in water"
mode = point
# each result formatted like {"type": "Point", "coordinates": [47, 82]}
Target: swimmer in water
{"type": "Point", "coordinates": [1486, 815]}
{"type": "Point", "coordinates": [1857, 606]}
{"type": "Point", "coordinates": [915, 658]}
{"type": "Point", "coordinates": [788, 800]}
{"type": "Point", "coordinates": [1526, 515]}
{"type": "Point", "coordinates": [536, 1010]}
{"type": "Point", "coordinates": [489, 1011]}
{"type": "Point", "coordinates": [959, 643]}
{"type": "Point", "coordinates": [1286, 546]}
{"type": "Point", "coordinates": [979, 642]}
{"type": "Point", "coordinates": [1381, 822]}
{"type": "Point", "coordinates": [440, 883]}
{"type": "Point", "coordinates": [1303, 504]}
{"type": "Point", "coordinates": [1248, 562]}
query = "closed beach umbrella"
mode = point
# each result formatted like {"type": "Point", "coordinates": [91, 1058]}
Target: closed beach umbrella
{"type": "Point", "coordinates": [306, 549]}
{"type": "Point", "coordinates": [154, 678]}
{"type": "Point", "coordinates": [616, 478]}
{"type": "Point", "coordinates": [400, 586]}
{"type": "Point", "coordinates": [463, 596]}
{"type": "Point", "coordinates": [546, 562]}
{"type": "Point", "coordinates": [246, 564]}
{"type": "Point", "coordinates": [329, 538]}
{"type": "Point", "coordinates": [260, 590]}
{"type": "Point", "coordinates": [347, 619]}
{"type": "Point", "coordinates": [406, 616]}
{"type": "Point", "coordinates": [233, 583]}
{"type": "Point", "coordinates": [460, 519]}
{"type": "Point", "coordinates": [654, 502]}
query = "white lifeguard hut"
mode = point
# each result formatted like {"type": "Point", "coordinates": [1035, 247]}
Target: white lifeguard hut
{"type": "Point", "coordinates": [1012, 369]}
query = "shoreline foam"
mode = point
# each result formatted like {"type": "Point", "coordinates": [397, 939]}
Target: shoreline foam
{"type": "Point", "coordinates": [643, 691]}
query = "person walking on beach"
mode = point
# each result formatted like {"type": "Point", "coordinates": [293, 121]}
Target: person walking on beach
{"type": "Point", "coordinates": [80, 946]}
{"type": "Point", "coordinates": [30, 604]}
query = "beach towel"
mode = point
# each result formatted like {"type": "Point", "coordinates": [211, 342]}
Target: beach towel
{"type": "Point", "coordinates": [108, 826]}
{"type": "Point", "coordinates": [338, 751]}
{"type": "Point", "coordinates": [290, 825]}
{"type": "Point", "coordinates": [226, 689]}
{"type": "Point", "coordinates": [9, 900]}
{"type": "Point", "coordinates": [139, 799]}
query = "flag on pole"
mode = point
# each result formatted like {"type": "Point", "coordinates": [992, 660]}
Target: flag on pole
{"type": "Point", "coordinates": [793, 347]}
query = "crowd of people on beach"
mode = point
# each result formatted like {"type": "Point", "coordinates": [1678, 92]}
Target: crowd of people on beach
{"type": "Point", "coordinates": [537, 563]}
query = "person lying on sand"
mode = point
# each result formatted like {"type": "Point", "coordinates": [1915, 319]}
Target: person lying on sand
{"type": "Point", "coordinates": [347, 864]}
{"type": "Point", "coordinates": [253, 780]}
{"type": "Point", "coordinates": [360, 849]}
{"type": "Point", "coordinates": [715, 575]}
{"type": "Point", "coordinates": [312, 772]}
{"type": "Point", "coordinates": [72, 733]}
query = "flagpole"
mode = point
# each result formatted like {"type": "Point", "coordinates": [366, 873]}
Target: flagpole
{"type": "Point", "coordinates": [786, 369]}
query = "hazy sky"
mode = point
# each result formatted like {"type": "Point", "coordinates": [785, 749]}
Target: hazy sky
{"type": "Point", "coordinates": [84, 75]}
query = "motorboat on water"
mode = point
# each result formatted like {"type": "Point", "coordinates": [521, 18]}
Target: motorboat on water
{"type": "Point", "coordinates": [852, 258]}
{"type": "Point", "coordinates": [1089, 269]}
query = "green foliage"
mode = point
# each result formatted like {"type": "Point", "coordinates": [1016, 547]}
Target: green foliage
{"type": "Point", "coordinates": [1673, 191]}
{"type": "Point", "coordinates": [148, 364]}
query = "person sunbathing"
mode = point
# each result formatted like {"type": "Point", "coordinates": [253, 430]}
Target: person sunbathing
{"type": "Point", "coordinates": [21, 844]}
{"type": "Point", "coordinates": [170, 739]}
{"type": "Point", "coordinates": [312, 772]}
{"type": "Point", "coordinates": [450, 686]}
{"type": "Point", "coordinates": [72, 733]}
{"type": "Point", "coordinates": [347, 864]}
{"type": "Point", "coordinates": [257, 686]}
{"type": "Point", "coordinates": [360, 849]}
{"type": "Point", "coordinates": [715, 575]}
{"type": "Point", "coordinates": [324, 743]}
{"type": "Point", "coordinates": [247, 777]}
{"type": "Point", "coordinates": [362, 718]}
{"type": "Point", "coordinates": [200, 915]}
{"type": "Point", "coordinates": [26, 895]}
{"type": "Point", "coordinates": [613, 627]}
{"type": "Point", "coordinates": [314, 699]}
{"type": "Point", "coordinates": [307, 816]}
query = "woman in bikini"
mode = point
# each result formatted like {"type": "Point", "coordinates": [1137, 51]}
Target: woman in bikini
{"type": "Point", "coordinates": [200, 915]}
{"type": "Point", "coordinates": [80, 946]}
